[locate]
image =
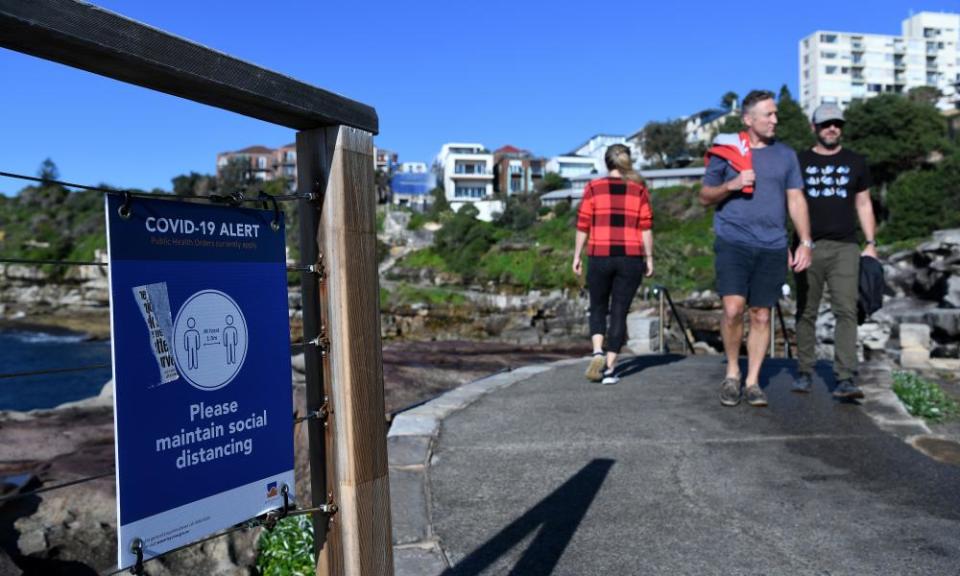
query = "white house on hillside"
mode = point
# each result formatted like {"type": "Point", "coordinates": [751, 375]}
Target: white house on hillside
{"type": "Point", "coordinates": [569, 166]}
{"type": "Point", "coordinates": [467, 170]}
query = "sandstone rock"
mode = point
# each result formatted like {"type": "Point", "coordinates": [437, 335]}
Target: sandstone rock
{"type": "Point", "coordinates": [952, 297]}
{"type": "Point", "coordinates": [873, 336]}
{"type": "Point", "coordinates": [944, 321]}
{"type": "Point", "coordinates": [915, 358]}
{"type": "Point", "coordinates": [915, 336]}
{"type": "Point", "coordinates": [949, 237]}
{"type": "Point", "coordinates": [946, 364]}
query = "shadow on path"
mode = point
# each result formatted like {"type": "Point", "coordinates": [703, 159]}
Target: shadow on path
{"type": "Point", "coordinates": [557, 517]}
{"type": "Point", "coordinates": [640, 363]}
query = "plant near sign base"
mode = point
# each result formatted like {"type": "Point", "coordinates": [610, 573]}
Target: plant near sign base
{"type": "Point", "coordinates": [287, 550]}
{"type": "Point", "coordinates": [923, 398]}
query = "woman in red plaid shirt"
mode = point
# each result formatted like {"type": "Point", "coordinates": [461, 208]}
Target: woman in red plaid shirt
{"type": "Point", "coordinates": [615, 215]}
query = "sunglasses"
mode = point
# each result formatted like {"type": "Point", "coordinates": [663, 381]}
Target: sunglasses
{"type": "Point", "coordinates": [830, 124]}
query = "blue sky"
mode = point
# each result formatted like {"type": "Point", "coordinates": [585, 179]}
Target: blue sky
{"type": "Point", "coordinates": [539, 75]}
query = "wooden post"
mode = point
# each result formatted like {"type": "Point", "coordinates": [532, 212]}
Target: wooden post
{"type": "Point", "coordinates": [313, 167]}
{"type": "Point", "coordinates": [349, 249]}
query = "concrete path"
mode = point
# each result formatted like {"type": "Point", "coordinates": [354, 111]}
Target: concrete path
{"type": "Point", "coordinates": [544, 473]}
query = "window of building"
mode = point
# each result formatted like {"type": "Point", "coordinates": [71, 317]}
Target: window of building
{"type": "Point", "coordinates": [828, 38]}
{"type": "Point", "coordinates": [828, 55]}
{"type": "Point", "coordinates": [469, 192]}
{"type": "Point", "coordinates": [261, 161]}
{"type": "Point", "coordinates": [874, 88]}
{"type": "Point", "coordinates": [831, 69]}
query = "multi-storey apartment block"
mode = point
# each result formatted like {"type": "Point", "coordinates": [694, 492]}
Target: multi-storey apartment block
{"type": "Point", "coordinates": [516, 171]}
{"type": "Point", "coordinates": [843, 67]}
{"type": "Point", "coordinates": [569, 166]}
{"type": "Point", "coordinates": [384, 160]}
{"type": "Point", "coordinates": [264, 163]}
{"type": "Point", "coordinates": [467, 172]}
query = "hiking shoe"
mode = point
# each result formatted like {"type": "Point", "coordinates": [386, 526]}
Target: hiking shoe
{"type": "Point", "coordinates": [610, 376]}
{"type": "Point", "coordinates": [594, 371]}
{"type": "Point", "coordinates": [802, 383]}
{"type": "Point", "coordinates": [755, 396]}
{"type": "Point", "coordinates": [730, 391]}
{"type": "Point", "coordinates": [847, 389]}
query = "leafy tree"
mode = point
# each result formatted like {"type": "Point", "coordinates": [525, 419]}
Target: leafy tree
{"type": "Point", "coordinates": [551, 181]}
{"type": "Point", "coordinates": [193, 184]}
{"type": "Point", "coordinates": [924, 94]}
{"type": "Point", "coordinates": [381, 180]}
{"type": "Point", "coordinates": [664, 142]}
{"type": "Point", "coordinates": [236, 176]}
{"type": "Point", "coordinates": [48, 171]}
{"type": "Point", "coordinates": [439, 204]}
{"type": "Point", "coordinates": [464, 240]}
{"type": "Point", "coordinates": [895, 133]}
{"type": "Point", "coordinates": [730, 125]}
{"type": "Point", "coordinates": [520, 212]}
{"type": "Point", "coordinates": [729, 100]}
{"type": "Point", "coordinates": [921, 201]}
{"type": "Point", "coordinates": [793, 128]}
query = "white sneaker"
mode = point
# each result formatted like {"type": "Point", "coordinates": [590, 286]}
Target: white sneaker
{"type": "Point", "coordinates": [610, 376]}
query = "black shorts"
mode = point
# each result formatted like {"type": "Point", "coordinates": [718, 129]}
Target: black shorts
{"type": "Point", "coordinates": [757, 274]}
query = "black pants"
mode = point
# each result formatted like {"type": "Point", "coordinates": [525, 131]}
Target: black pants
{"type": "Point", "coordinates": [613, 282]}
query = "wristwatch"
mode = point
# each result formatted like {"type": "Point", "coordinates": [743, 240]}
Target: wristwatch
{"type": "Point", "coordinates": [808, 243]}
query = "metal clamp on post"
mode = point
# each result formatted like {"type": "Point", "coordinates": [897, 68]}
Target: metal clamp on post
{"type": "Point", "coordinates": [322, 342]}
{"type": "Point", "coordinates": [321, 413]}
{"type": "Point", "coordinates": [320, 269]}
{"type": "Point", "coordinates": [330, 508]}
{"type": "Point", "coordinates": [136, 547]}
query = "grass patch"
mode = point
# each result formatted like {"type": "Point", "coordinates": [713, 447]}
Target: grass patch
{"type": "Point", "coordinates": [426, 258]}
{"type": "Point", "coordinates": [923, 398]}
{"type": "Point", "coordinates": [406, 294]}
{"type": "Point", "coordinates": [417, 220]}
{"type": "Point", "coordinates": [287, 550]}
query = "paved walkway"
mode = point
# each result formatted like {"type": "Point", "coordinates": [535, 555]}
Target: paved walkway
{"type": "Point", "coordinates": [539, 472]}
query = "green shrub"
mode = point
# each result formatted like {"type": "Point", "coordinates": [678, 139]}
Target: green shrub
{"type": "Point", "coordinates": [287, 550]}
{"type": "Point", "coordinates": [923, 398]}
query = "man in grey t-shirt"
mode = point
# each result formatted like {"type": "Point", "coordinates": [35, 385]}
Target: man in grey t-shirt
{"type": "Point", "coordinates": [751, 240]}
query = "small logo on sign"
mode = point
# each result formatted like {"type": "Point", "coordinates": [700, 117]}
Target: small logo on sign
{"type": "Point", "coordinates": [272, 490]}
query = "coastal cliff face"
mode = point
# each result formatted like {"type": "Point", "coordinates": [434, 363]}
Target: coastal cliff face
{"type": "Point", "coordinates": [79, 302]}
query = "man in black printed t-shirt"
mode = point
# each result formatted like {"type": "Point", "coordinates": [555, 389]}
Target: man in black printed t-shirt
{"type": "Point", "coordinates": [837, 188]}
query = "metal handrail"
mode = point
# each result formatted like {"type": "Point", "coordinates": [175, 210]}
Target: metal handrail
{"type": "Point", "coordinates": [664, 295]}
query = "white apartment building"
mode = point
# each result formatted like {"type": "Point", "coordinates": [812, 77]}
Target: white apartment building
{"type": "Point", "coordinates": [569, 166]}
{"type": "Point", "coordinates": [843, 67]}
{"type": "Point", "coordinates": [596, 147]}
{"type": "Point", "coordinates": [467, 170]}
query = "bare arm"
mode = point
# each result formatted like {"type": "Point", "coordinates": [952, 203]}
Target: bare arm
{"type": "Point", "coordinates": [797, 206]}
{"type": "Point", "coordinates": [868, 222]}
{"type": "Point", "coordinates": [647, 237]}
{"type": "Point", "coordinates": [580, 242]}
{"type": "Point", "coordinates": [710, 195]}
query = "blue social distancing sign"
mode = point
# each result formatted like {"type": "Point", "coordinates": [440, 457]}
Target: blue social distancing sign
{"type": "Point", "coordinates": [201, 363]}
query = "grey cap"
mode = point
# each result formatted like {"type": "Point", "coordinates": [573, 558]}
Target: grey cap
{"type": "Point", "coordinates": [827, 112]}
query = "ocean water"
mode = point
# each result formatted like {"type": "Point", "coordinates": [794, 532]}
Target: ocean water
{"type": "Point", "coordinates": [27, 351]}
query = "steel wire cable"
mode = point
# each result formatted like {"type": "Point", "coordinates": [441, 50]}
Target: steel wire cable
{"type": "Point", "coordinates": [211, 198]}
{"type": "Point", "coordinates": [20, 495]}
{"type": "Point", "coordinates": [52, 371]}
